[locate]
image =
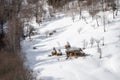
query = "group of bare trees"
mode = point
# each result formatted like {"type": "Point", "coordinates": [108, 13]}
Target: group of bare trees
{"type": "Point", "coordinates": [8, 15]}
{"type": "Point", "coordinates": [74, 7]}
{"type": "Point", "coordinates": [98, 43]}
{"type": "Point", "coordinates": [13, 15]}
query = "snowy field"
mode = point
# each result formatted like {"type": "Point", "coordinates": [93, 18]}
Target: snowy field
{"type": "Point", "coordinates": [76, 33]}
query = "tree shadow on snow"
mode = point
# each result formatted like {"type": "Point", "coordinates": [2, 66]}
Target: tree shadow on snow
{"type": "Point", "coordinates": [50, 78]}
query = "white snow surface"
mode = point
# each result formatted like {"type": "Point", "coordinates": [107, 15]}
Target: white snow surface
{"type": "Point", "coordinates": [82, 68]}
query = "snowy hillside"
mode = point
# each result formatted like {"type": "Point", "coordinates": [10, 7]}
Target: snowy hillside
{"type": "Point", "coordinates": [78, 34]}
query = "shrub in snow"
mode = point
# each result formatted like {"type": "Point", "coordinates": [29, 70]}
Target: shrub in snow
{"type": "Point", "coordinates": [46, 33]}
{"type": "Point", "coordinates": [92, 42]}
{"type": "Point", "coordinates": [34, 47]}
{"type": "Point", "coordinates": [98, 43]}
{"type": "Point", "coordinates": [73, 18]}
{"type": "Point", "coordinates": [119, 37]}
{"type": "Point", "coordinates": [97, 17]}
{"type": "Point", "coordinates": [103, 41]}
{"type": "Point", "coordinates": [114, 8]}
{"type": "Point", "coordinates": [49, 33]}
{"type": "Point", "coordinates": [54, 51]}
{"type": "Point", "coordinates": [79, 30]}
{"type": "Point", "coordinates": [67, 46]}
{"type": "Point", "coordinates": [75, 52]}
{"type": "Point", "coordinates": [93, 25]}
{"type": "Point", "coordinates": [31, 32]}
{"type": "Point", "coordinates": [84, 18]}
{"type": "Point", "coordinates": [85, 44]}
{"type": "Point", "coordinates": [99, 51]}
{"type": "Point", "coordinates": [59, 52]}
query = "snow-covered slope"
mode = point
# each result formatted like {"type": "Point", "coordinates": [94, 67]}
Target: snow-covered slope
{"type": "Point", "coordinates": [82, 68]}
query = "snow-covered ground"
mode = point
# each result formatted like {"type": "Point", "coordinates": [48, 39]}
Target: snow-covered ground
{"type": "Point", "coordinates": [82, 68]}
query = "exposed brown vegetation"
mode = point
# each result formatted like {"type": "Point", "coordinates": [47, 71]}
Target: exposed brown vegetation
{"type": "Point", "coordinates": [58, 3]}
{"type": "Point", "coordinates": [12, 67]}
{"type": "Point", "coordinates": [74, 53]}
{"type": "Point", "coordinates": [67, 46]}
{"type": "Point", "coordinates": [55, 52]}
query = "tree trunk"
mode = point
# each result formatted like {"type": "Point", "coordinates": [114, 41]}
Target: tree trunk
{"type": "Point", "coordinates": [97, 22]}
{"type": "Point", "coordinates": [1, 29]}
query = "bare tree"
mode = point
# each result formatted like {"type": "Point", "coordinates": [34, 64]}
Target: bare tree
{"type": "Point", "coordinates": [13, 35]}
{"type": "Point", "coordinates": [98, 43]}
{"type": "Point", "coordinates": [51, 11]}
{"type": "Point", "coordinates": [73, 11]}
{"type": "Point", "coordinates": [85, 44]}
{"type": "Point", "coordinates": [103, 41]}
{"type": "Point", "coordinates": [39, 11]}
{"type": "Point", "coordinates": [97, 19]}
{"type": "Point", "coordinates": [103, 9]}
{"type": "Point", "coordinates": [99, 50]}
{"type": "Point", "coordinates": [79, 30]}
{"type": "Point", "coordinates": [118, 5]}
{"type": "Point", "coordinates": [80, 7]}
{"type": "Point", "coordinates": [84, 18]}
{"type": "Point", "coordinates": [92, 7]}
{"type": "Point", "coordinates": [114, 8]}
{"type": "Point", "coordinates": [92, 42]}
